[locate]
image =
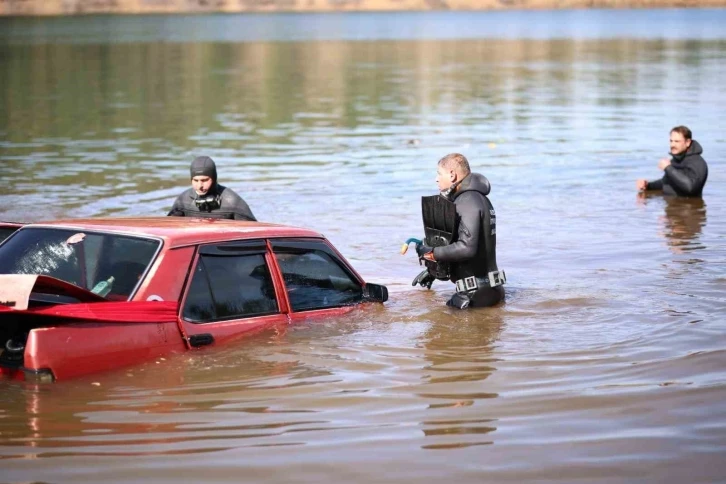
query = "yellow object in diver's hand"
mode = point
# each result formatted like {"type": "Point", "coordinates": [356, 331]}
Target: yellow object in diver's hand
{"type": "Point", "coordinates": [404, 247]}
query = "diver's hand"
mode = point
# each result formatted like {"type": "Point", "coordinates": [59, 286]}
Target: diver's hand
{"type": "Point", "coordinates": [425, 279]}
{"type": "Point", "coordinates": [664, 163]}
{"type": "Point", "coordinates": [641, 184]}
{"type": "Point", "coordinates": [422, 249]}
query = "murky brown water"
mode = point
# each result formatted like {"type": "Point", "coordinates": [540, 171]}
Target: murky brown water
{"type": "Point", "coordinates": [606, 364]}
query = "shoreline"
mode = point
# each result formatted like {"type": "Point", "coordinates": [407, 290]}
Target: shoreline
{"type": "Point", "coordinates": [51, 8]}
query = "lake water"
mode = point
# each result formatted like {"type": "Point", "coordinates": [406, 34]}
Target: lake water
{"type": "Point", "coordinates": [606, 363]}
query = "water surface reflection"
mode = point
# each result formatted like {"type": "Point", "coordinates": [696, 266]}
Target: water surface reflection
{"type": "Point", "coordinates": [608, 353]}
{"type": "Point", "coordinates": [683, 222]}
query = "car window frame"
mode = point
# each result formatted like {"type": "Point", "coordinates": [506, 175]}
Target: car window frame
{"type": "Point", "coordinates": [313, 244]}
{"type": "Point", "coordinates": [232, 248]}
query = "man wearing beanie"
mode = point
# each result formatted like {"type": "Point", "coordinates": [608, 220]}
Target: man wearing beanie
{"type": "Point", "coordinates": [207, 198]}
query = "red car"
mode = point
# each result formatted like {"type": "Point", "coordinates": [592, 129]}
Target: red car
{"type": "Point", "coordinates": [82, 296]}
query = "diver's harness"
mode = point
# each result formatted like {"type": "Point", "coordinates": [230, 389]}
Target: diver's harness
{"type": "Point", "coordinates": [440, 225]}
{"type": "Point", "coordinates": [472, 283]}
{"type": "Point", "coordinates": [208, 203]}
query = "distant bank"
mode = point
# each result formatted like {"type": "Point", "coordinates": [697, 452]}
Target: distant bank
{"type": "Point", "coordinates": [75, 7]}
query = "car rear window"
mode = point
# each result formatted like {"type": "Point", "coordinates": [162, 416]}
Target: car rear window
{"type": "Point", "coordinates": [110, 265]}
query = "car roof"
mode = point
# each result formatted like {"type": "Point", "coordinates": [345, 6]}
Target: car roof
{"type": "Point", "coordinates": [182, 231]}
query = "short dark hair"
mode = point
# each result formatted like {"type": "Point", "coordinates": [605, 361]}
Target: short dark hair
{"type": "Point", "coordinates": [684, 131]}
{"type": "Point", "coordinates": [455, 160]}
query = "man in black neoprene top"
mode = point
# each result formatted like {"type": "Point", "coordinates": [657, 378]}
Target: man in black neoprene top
{"type": "Point", "coordinates": [207, 198]}
{"type": "Point", "coordinates": [685, 173]}
{"type": "Point", "coordinates": [471, 253]}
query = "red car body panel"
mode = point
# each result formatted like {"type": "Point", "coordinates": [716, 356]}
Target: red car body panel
{"type": "Point", "coordinates": [226, 330]}
{"type": "Point", "coordinates": [70, 349]}
{"type": "Point", "coordinates": [165, 280]}
{"type": "Point", "coordinates": [76, 349]}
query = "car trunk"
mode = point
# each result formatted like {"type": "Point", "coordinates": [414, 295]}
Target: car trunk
{"type": "Point", "coordinates": [56, 330]}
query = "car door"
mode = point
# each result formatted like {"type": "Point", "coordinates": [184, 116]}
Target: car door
{"type": "Point", "coordinates": [317, 280]}
{"type": "Point", "coordinates": [231, 291]}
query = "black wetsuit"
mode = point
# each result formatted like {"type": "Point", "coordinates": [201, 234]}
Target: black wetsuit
{"type": "Point", "coordinates": [686, 174]}
{"type": "Point", "coordinates": [473, 250]}
{"type": "Point", "coordinates": [225, 203]}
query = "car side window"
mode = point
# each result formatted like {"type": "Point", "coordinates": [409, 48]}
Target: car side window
{"type": "Point", "coordinates": [314, 277]}
{"type": "Point", "coordinates": [123, 258]}
{"type": "Point", "coordinates": [229, 287]}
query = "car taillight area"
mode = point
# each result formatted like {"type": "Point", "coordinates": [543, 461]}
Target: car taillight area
{"type": "Point", "coordinates": [26, 374]}
{"type": "Point", "coordinates": [14, 333]}
{"type": "Point", "coordinates": [13, 351]}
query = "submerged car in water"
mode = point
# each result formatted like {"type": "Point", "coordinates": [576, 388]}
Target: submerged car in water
{"type": "Point", "coordinates": [81, 296]}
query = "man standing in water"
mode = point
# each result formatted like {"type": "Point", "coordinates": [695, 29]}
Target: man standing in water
{"type": "Point", "coordinates": [685, 172]}
{"type": "Point", "coordinates": [208, 199]}
{"type": "Point", "coordinates": [468, 257]}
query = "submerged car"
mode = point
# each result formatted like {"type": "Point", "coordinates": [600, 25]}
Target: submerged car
{"type": "Point", "coordinates": [81, 296]}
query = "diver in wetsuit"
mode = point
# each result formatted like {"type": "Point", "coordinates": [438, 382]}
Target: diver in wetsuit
{"type": "Point", "coordinates": [460, 244]}
{"type": "Point", "coordinates": [685, 173]}
{"type": "Point", "coordinates": [208, 199]}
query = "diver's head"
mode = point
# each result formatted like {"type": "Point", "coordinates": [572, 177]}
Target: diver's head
{"type": "Point", "coordinates": [452, 169]}
{"type": "Point", "coordinates": [680, 140]}
{"type": "Point", "coordinates": [204, 174]}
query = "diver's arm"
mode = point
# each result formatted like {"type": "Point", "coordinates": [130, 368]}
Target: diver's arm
{"type": "Point", "coordinates": [682, 178]}
{"type": "Point", "coordinates": [242, 212]}
{"type": "Point", "coordinates": [467, 241]}
{"type": "Point", "coordinates": [246, 218]}
{"type": "Point", "coordinates": [234, 204]}
{"type": "Point", "coordinates": [176, 209]}
{"type": "Point", "coordinates": [655, 185]}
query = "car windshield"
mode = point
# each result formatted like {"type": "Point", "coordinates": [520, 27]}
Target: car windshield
{"type": "Point", "coordinates": [109, 265]}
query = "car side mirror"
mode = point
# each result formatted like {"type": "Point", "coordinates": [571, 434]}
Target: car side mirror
{"type": "Point", "coordinates": [375, 292]}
